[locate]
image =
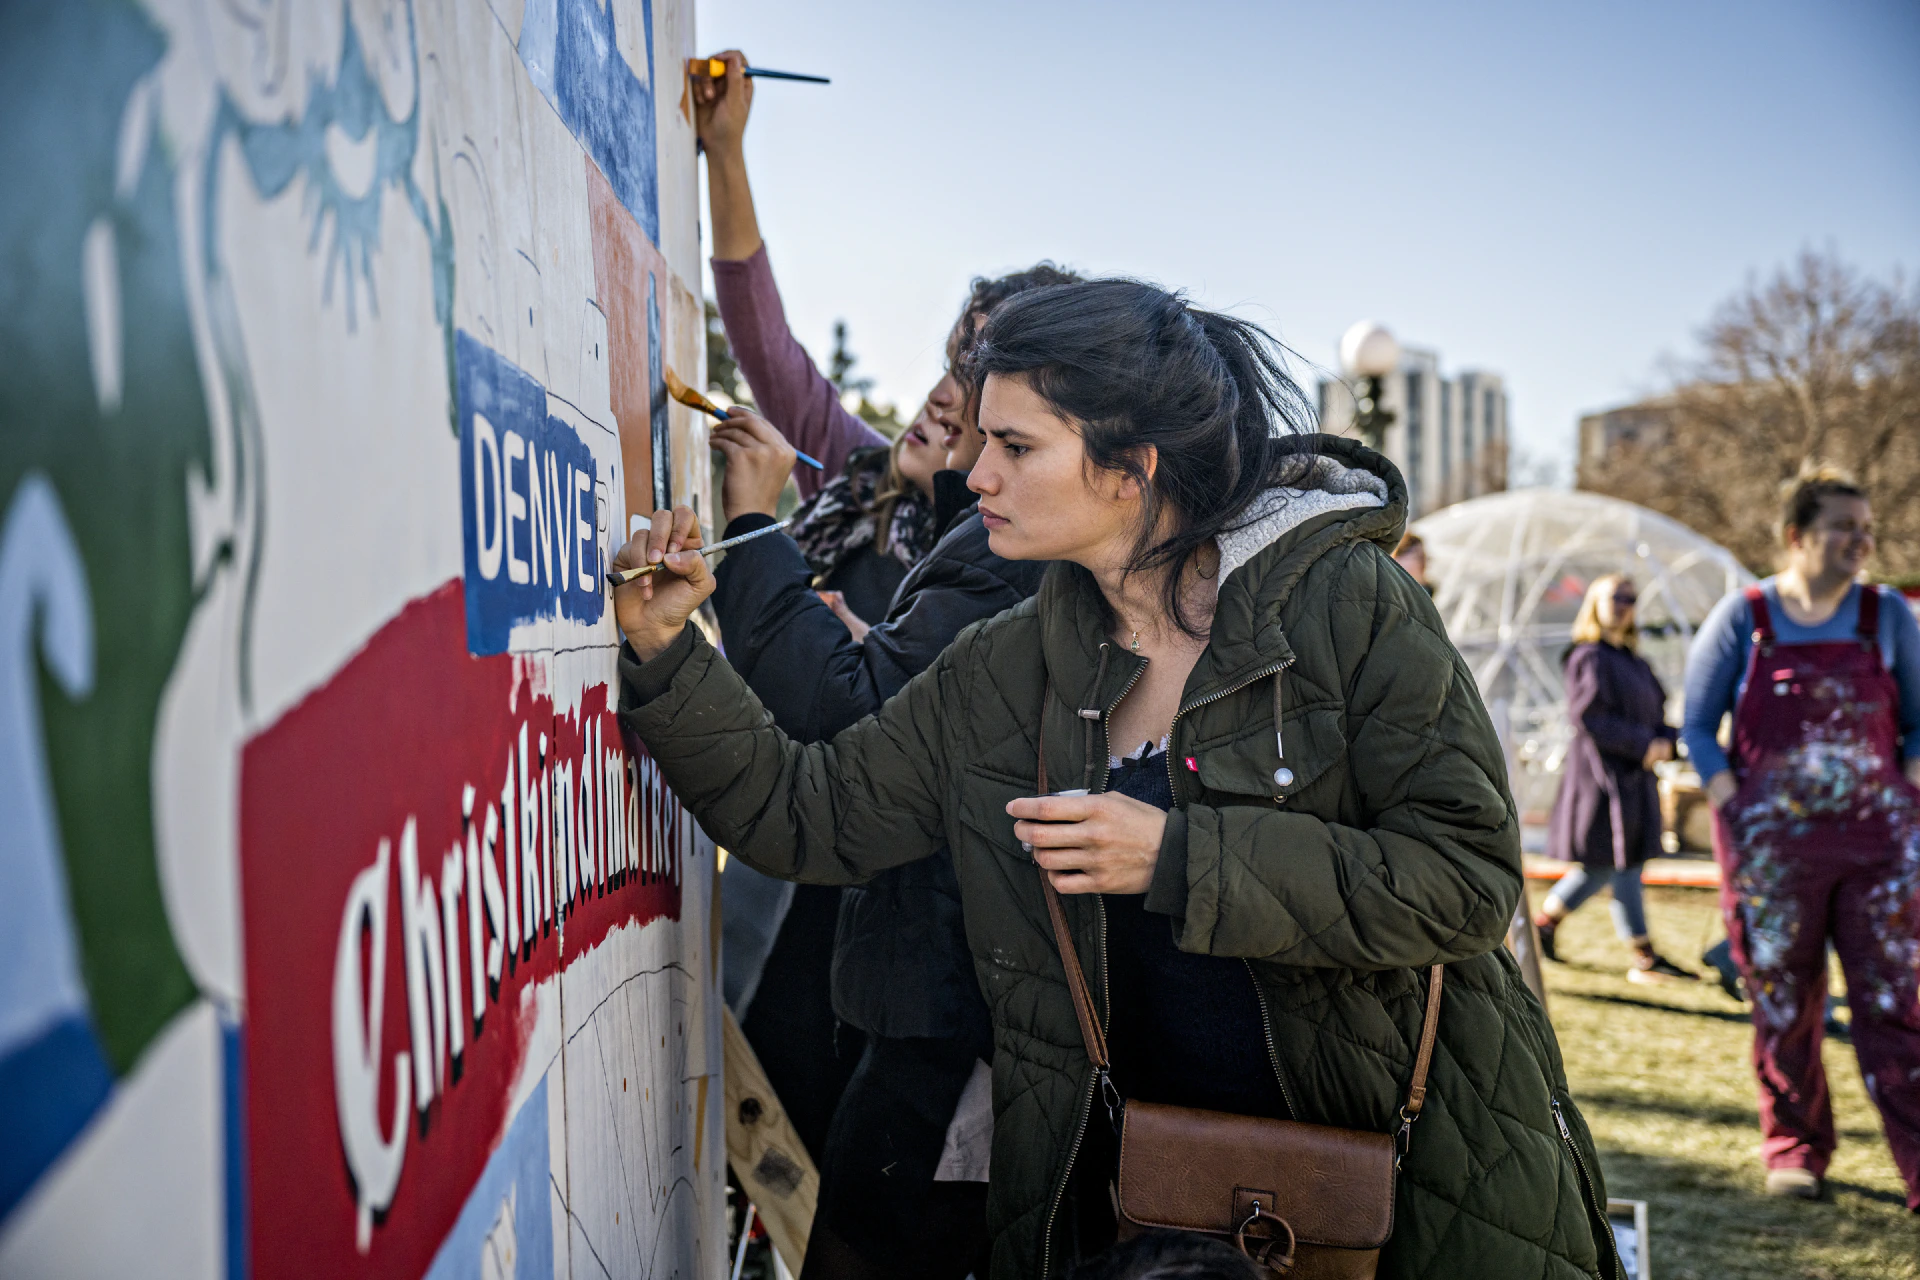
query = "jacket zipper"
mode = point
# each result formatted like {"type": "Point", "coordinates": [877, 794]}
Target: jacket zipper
{"type": "Point", "coordinates": [1273, 1050]}
{"type": "Point", "coordinates": [1106, 1002]}
{"type": "Point", "coordinates": [1608, 1248]}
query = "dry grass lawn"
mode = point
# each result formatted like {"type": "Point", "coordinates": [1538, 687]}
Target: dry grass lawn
{"type": "Point", "coordinates": [1662, 1075]}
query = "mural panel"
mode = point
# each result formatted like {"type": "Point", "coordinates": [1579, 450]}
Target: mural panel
{"type": "Point", "coordinates": [343, 931]}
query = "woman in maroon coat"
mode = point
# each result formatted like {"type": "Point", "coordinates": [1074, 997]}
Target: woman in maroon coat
{"type": "Point", "coordinates": [1606, 817]}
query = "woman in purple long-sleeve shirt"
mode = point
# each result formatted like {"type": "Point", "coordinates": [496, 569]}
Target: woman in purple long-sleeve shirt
{"type": "Point", "coordinates": [890, 1205]}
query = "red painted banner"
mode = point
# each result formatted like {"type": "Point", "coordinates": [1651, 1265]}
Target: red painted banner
{"type": "Point", "coordinates": [423, 842]}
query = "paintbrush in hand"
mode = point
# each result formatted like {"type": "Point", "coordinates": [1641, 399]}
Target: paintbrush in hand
{"type": "Point", "coordinates": [621, 577]}
{"type": "Point", "coordinates": [694, 400]}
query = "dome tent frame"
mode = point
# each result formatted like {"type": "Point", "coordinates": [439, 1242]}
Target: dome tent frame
{"type": "Point", "coordinates": [1509, 571]}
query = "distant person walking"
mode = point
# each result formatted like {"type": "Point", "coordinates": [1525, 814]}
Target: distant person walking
{"type": "Point", "coordinates": [1411, 555]}
{"type": "Point", "coordinates": [1817, 823]}
{"type": "Point", "coordinates": [1606, 817]}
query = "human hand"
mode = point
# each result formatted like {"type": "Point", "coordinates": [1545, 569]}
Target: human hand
{"type": "Point", "coordinates": [837, 602]}
{"type": "Point", "coordinates": [720, 107]}
{"type": "Point", "coordinates": [759, 460]}
{"type": "Point", "coordinates": [1107, 843]}
{"type": "Point", "coordinates": [1721, 788]}
{"type": "Point", "coordinates": [652, 611]}
{"type": "Point", "coordinates": [1913, 771]}
{"type": "Point", "coordinates": [1658, 751]}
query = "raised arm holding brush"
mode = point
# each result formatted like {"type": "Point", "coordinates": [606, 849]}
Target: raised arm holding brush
{"type": "Point", "coordinates": [899, 962]}
{"type": "Point", "coordinates": [787, 387]}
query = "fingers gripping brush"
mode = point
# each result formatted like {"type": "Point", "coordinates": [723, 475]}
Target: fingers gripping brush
{"type": "Point", "coordinates": [621, 577]}
{"type": "Point", "coordinates": [694, 400]}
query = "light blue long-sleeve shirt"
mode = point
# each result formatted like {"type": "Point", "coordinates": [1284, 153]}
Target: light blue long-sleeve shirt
{"type": "Point", "coordinates": [1717, 664]}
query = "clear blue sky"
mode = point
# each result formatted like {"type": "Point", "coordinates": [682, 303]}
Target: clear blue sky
{"type": "Point", "coordinates": [1558, 193]}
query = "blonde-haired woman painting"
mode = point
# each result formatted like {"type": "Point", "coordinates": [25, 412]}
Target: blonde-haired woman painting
{"type": "Point", "coordinates": [1606, 817]}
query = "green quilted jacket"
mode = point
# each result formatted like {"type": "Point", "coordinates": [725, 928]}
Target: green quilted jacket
{"type": "Point", "coordinates": [1395, 846]}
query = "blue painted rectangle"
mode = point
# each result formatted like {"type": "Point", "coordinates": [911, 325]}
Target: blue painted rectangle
{"type": "Point", "coordinates": [527, 504]}
{"type": "Point", "coordinates": [572, 55]}
{"type": "Point", "coordinates": [51, 1087]}
{"type": "Point", "coordinates": [506, 1226]}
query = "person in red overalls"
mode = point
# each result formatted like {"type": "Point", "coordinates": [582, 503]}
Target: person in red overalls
{"type": "Point", "coordinates": [1817, 827]}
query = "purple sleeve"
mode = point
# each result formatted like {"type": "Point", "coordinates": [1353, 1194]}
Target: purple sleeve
{"type": "Point", "coordinates": [791, 393]}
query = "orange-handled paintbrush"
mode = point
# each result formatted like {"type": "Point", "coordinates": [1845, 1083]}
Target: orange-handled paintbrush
{"type": "Point", "coordinates": [715, 69]}
{"type": "Point", "coordinates": [694, 400]}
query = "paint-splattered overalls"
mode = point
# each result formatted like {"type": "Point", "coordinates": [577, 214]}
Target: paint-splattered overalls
{"type": "Point", "coordinates": [1822, 843]}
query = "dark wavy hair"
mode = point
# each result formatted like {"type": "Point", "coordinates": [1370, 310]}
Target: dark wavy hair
{"type": "Point", "coordinates": [983, 295]}
{"type": "Point", "coordinates": [1132, 365]}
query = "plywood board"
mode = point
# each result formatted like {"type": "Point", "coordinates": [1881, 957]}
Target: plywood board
{"type": "Point", "coordinates": [344, 932]}
{"type": "Point", "coordinates": [767, 1156]}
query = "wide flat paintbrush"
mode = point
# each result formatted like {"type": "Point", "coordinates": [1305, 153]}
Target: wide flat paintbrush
{"type": "Point", "coordinates": [694, 400]}
{"type": "Point", "coordinates": [621, 577]}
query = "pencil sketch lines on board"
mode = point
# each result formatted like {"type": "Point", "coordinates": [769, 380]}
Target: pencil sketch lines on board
{"type": "Point", "coordinates": [347, 149]}
{"type": "Point", "coordinates": [574, 1220]}
{"type": "Point", "coordinates": [642, 1019]}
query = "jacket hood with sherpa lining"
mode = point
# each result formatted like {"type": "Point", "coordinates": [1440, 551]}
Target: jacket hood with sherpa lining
{"type": "Point", "coordinates": [1330, 484]}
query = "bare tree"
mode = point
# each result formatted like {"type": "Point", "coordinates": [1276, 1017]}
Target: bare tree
{"type": "Point", "coordinates": [1816, 364]}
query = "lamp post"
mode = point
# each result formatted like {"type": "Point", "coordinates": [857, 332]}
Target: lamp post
{"type": "Point", "coordinates": [1369, 353]}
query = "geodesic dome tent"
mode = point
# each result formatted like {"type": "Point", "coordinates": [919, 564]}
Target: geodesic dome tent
{"type": "Point", "coordinates": [1509, 571]}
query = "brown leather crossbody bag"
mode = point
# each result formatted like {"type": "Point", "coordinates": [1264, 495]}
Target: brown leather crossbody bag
{"type": "Point", "coordinates": [1307, 1201]}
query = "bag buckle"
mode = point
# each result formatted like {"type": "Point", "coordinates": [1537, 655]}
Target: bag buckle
{"type": "Point", "coordinates": [1110, 1094]}
{"type": "Point", "coordinates": [1403, 1140]}
{"type": "Point", "coordinates": [1264, 1255]}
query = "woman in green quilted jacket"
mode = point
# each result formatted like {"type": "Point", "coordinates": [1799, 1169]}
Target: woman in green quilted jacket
{"type": "Point", "coordinates": [1294, 800]}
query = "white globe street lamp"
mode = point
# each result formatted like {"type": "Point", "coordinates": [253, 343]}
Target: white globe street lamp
{"type": "Point", "coordinates": [1368, 352]}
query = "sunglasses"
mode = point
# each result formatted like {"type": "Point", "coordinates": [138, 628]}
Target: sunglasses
{"type": "Point", "coordinates": [1625, 598]}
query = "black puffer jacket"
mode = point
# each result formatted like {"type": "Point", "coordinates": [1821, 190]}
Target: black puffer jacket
{"type": "Point", "coordinates": [901, 966]}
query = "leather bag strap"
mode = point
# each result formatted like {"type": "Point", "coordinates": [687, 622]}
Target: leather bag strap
{"type": "Point", "coordinates": [1429, 1029]}
{"type": "Point", "coordinates": [1095, 1039]}
{"type": "Point", "coordinates": [1090, 1032]}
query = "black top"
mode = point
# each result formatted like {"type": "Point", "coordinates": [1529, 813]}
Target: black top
{"type": "Point", "coordinates": [1185, 1029]}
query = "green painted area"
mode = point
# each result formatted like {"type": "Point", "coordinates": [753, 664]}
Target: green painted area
{"type": "Point", "coordinates": [67, 73]}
